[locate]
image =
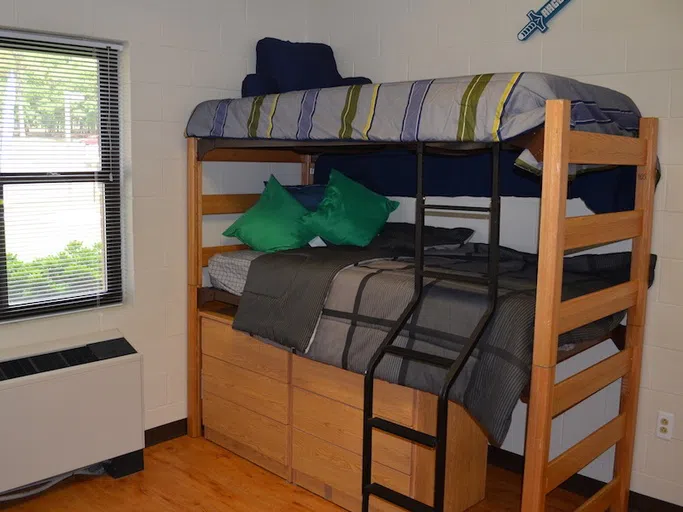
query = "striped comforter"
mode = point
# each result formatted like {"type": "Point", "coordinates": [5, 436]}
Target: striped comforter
{"type": "Point", "coordinates": [481, 108]}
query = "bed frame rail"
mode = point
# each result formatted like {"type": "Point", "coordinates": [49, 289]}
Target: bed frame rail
{"type": "Point", "coordinates": [553, 316]}
{"type": "Point", "coordinates": [582, 385]}
{"type": "Point", "coordinates": [225, 204]}
{"type": "Point", "coordinates": [603, 498]}
{"type": "Point", "coordinates": [199, 205]}
{"type": "Point", "coordinates": [594, 306]}
{"type": "Point", "coordinates": [601, 229]}
{"type": "Point", "coordinates": [583, 452]}
{"type": "Point", "coordinates": [601, 149]}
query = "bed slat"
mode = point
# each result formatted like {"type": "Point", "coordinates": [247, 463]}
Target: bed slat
{"type": "Point", "coordinates": [602, 500]}
{"type": "Point", "coordinates": [220, 204]}
{"type": "Point", "coordinates": [209, 252]}
{"type": "Point", "coordinates": [602, 229]}
{"type": "Point", "coordinates": [578, 387]}
{"type": "Point", "coordinates": [594, 306]}
{"type": "Point", "coordinates": [603, 149]}
{"type": "Point", "coordinates": [584, 452]}
{"type": "Point", "coordinates": [218, 154]}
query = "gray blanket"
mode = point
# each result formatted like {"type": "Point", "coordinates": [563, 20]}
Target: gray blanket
{"type": "Point", "coordinates": [364, 299]}
{"type": "Point", "coordinates": [285, 291]}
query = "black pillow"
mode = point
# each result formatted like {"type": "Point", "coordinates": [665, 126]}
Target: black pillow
{"type": "Point", "coordinates": [400, 236]}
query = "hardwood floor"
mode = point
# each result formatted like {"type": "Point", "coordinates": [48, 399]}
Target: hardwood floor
{"type": "Point", "coordinates": [194, 474]}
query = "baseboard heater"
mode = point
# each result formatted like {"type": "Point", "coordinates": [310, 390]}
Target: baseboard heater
{"type": "Point", "coordinates": [67, 405]}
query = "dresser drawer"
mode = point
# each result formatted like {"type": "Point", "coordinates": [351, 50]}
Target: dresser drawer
{"type": "Point", "coordinates": [340, 468]}
{"type": "Point", "coordinates": [391, 401]}
{"type": "Point", "coordinates": [248, 428]}
{"type": "Point", "coordinates": [342, 425]}
{"type": "Point", "coordinates": [221, 341]}
{"type": "Point", "coordinates": [251, 390]}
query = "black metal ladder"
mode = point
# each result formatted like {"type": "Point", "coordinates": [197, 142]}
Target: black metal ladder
{"type": "Point", "coordinates": [454, 366]}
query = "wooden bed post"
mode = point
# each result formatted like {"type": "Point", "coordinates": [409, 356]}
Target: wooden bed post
{"type": "Point", "coordinates": [640, 270]}
{"type": "Point", "coordinates": [306, 169]}
{"type": "Point", "coordinates": [194, 282]}
{"type": "Point", "coordinates": [548, 298]}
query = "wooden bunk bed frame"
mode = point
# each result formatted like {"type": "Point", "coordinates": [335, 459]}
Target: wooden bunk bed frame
{"type": "Point", "coordinates": [266, 420]}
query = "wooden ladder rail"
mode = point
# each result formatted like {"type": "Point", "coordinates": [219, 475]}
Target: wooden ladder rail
{"type": "Point", "coordinates": [194, 282]}
{"type": "Point", "coordinates": [553, 317]}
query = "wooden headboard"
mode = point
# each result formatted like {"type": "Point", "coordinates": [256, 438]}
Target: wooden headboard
{"type": "Point", "coordinates": [227, 204]}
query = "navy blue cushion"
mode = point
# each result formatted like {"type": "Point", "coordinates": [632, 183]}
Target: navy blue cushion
{"type": "Point", "coordinates": [309, 196]}
{"type": "Point", "coordinates": [355, 80]}
{"type": "Point", "coordinates": [258, 85]}
{"type": "Point", "coordinates": [297, 66]}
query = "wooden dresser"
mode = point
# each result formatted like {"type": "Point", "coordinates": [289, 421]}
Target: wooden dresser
{"type": "Point", "coordinates": [302, 420]}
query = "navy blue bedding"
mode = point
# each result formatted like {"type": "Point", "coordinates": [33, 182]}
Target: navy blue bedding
{"type": "Point", "coordinates": [392, 173]}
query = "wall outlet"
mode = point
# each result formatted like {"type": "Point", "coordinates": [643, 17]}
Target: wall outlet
{"type": "Point", "coordinates": [665, 425]}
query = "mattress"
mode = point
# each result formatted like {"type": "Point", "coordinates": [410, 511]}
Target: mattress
{"type": "Point", "coordinates": [481, 108]}
{"type": "Point", "coordinates": [228, 271]}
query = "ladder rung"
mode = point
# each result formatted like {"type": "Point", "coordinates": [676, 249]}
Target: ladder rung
{"type": "Point", "coordinates": [588, 308]}
{"type": "Point", "coordinates": [601, 229]}
{"type": "Point", "coordinates": [580, 386]}
{"type": "Point", "coordinates": [604, 149]}
{"type": "Point", "coordinates": [584, 452]}
{"type": "Point", "coordinates": [422, 357]}
{"type": "Point", "coordinates": [456, 208]}
{"type": "Point", "coordinates": [397, 498]}
{"type": "Point", "coordinates": [601, 501]}
{"type": "Point", "coordinates": [404, 432]}
{"type": "Point", "coordinates": [452, 276]}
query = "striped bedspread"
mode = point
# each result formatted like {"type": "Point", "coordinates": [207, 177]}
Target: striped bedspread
{"type": "Point", "coordinates": [481, 108]}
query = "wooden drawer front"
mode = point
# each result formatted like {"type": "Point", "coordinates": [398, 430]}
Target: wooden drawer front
{"type": "Point", "coordinates": [264, 435]}
{"type": "Point", "coordinates": [221, 341]}
{"type": "Point", "coordinates": [246, 452]}
{"type": "Point", "coordinates": [346, 501]}
{"type": "Point", "coordinates": [342, 425]}
{"type": "Point", "coordinates": [391, 401]}
{"type": "Point", "coordinates": [339, 468]}
{"type": "Point", "coordinates": [248, 389]}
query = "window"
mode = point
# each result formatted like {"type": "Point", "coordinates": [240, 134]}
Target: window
{"type": "Point", "coordinates": [60, 175]}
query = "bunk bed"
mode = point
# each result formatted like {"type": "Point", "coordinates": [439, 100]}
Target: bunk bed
{"type": "Point", "coordinates": [349, 437]}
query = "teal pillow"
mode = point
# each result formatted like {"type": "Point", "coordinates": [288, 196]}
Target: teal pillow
{"type": "Point", "coordinates": [349, 214]}
{"type": "Point", "coordinates": [274, 223]}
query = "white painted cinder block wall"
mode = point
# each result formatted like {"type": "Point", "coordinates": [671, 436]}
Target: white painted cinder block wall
{"type": "Point", "coordinates": [177, 53]}
{"type": "Point", "coordinates": [634, 46]}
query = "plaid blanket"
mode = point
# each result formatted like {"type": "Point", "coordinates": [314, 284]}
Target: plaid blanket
{"type": "Point", "coordinates": [364, 301]}
{"type": "Point", "coordinates": [285, 291]}
{"type": "Point", "coordinates": [336, 307]}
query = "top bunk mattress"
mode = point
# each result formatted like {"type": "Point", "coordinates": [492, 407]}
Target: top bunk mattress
{"type": "Point", "coordinates": [481, 108]}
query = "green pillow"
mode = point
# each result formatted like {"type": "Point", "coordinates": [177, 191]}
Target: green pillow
{"type": "Point", "coordinates": [273, 223]}
{"type": "Point", "coordinates": [349, 214]}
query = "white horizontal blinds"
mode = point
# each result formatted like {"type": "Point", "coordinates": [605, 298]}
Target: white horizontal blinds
{"type": "Point", "coordinates": [60, 176]}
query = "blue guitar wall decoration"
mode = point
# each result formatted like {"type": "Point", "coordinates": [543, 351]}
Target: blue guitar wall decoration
{"type": "Point", "coordinates": [538, 20]}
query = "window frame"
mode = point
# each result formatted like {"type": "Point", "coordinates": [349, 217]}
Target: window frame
{"type": "Point", "coordinates": [109, 175]}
